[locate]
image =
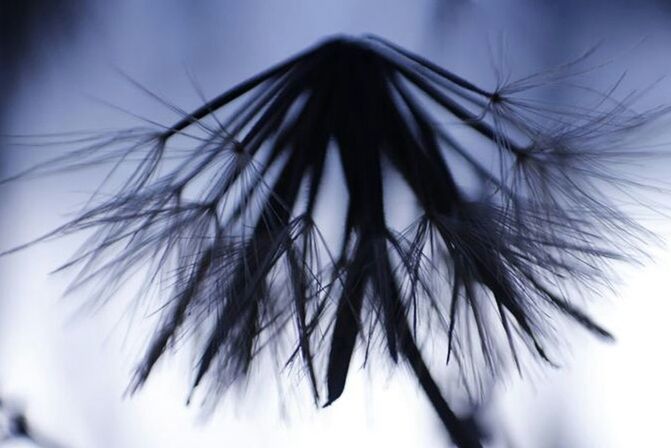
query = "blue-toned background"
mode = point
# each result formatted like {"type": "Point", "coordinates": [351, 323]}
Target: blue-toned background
{"type": "Point", "coordinates": [69, 369]}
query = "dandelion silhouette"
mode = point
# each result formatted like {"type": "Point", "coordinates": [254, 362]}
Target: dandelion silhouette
{"type": "Point", "coordinates": [223, 208]}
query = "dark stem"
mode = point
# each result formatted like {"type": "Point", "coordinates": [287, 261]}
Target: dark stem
{"type": "Point", "coordinates": [461, 435]}
{"type": "Point", "coordinates": [234, 93]}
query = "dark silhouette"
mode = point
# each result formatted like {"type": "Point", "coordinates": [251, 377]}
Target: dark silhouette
{"type": "Point", "coordinates": [232, 222]}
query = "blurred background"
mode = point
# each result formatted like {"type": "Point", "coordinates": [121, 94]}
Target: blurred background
{"type": "Point", "coordinates": [67, 370]}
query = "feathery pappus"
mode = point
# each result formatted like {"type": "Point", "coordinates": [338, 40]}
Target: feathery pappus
{"type": "Point", "coordinates": [511, 209]}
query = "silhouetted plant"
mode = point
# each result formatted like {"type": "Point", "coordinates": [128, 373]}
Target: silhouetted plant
{"type": "Point", "coordinates": [512, 212]}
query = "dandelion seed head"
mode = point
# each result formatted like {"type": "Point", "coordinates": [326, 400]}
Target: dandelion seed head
{"type": "Point", "coordinates": [221, 207]}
